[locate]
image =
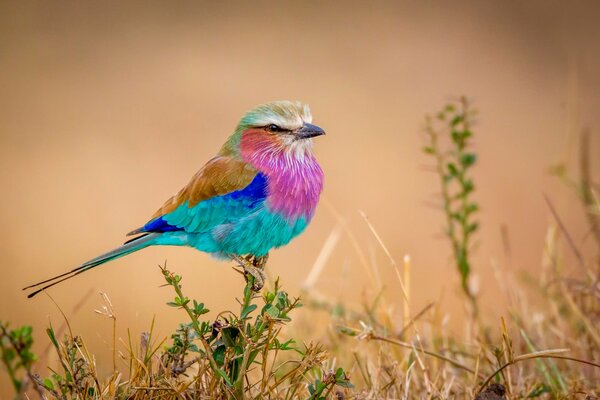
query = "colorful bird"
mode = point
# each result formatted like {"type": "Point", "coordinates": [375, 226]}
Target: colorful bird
{"type": "Point", "coordinates": [258, 193]}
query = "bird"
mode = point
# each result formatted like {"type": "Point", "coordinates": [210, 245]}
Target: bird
{"type": "Point", "coordinates": [259, 192]}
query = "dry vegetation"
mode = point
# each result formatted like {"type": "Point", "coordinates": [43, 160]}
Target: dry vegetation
{"type": "Point", "coordinates": [546, 346]}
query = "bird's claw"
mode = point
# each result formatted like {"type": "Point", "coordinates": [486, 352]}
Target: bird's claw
{"type": "Point", "coordinates": [249, 270]}
{"type": "Point", "coordinates": [258, 275]}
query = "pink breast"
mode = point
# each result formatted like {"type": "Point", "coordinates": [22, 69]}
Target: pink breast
{"type": "Point", "coordinates": [295, 179]}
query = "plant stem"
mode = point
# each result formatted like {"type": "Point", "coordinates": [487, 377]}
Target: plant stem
{"type": "Point", "coordinates": [11, 372]}
{"type": "Point", "coordinates": [428, 352]}
{"type": "Point", "coordinates": [531, 356]}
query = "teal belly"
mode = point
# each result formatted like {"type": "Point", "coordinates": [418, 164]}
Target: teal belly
{"type": "Point", "coordinates": [255, 234]}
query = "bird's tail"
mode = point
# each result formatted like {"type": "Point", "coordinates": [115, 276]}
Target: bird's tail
{"type": "Point", "coordinates": [128, 248]}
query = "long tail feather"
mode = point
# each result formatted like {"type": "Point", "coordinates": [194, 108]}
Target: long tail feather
{"type": "Point", "coordinates": [128, 248]}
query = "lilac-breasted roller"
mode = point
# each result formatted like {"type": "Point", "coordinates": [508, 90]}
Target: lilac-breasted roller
{"type": "Point", "coordinates": [258, 193]}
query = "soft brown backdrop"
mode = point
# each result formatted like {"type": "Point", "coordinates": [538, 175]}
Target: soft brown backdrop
{"type": "Point", "coordinates": [107, 108]}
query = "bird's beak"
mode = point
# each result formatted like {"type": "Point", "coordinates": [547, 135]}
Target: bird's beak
{"type": "Point", "coordinates": [309, 131]}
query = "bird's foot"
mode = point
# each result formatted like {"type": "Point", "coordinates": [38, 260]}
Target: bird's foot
{"type": "Point", "coordinates": [259, 278]}
{"type": "Point", "coordinates": [251, 269]}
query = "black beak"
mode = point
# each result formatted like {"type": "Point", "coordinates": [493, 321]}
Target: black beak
{"type": "Point", "coordinates": [309, 131]}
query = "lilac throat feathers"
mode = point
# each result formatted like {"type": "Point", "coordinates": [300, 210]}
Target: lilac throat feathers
{"type": "Point", "coordinates": [294, 178]}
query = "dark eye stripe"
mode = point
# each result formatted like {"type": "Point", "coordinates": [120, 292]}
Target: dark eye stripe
{"type": "Point", "coordinates": [275, 128]}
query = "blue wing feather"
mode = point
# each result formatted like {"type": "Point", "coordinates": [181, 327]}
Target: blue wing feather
{"type": "Point", "coordinates": [212, 212]}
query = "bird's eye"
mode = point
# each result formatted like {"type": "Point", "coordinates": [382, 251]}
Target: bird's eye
{"type": "Point", "coordinates": [276, 129]}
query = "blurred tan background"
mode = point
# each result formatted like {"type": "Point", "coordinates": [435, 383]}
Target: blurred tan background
{"type": "Point", "coordinates": [107, 108]}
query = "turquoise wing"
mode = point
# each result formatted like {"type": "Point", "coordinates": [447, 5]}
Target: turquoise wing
{"type": "Point", "coordinates": [212, 212]}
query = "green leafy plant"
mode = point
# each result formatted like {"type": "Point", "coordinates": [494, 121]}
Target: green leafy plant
{"type": "Point", "coordinates": [449, 137]}
{"type": "Point", "coordinates": [78, 376]}
{"type": "Point", "coordinates": [233, 344]}
{"type": "Point", "coordinates": [17, 357]}
{"type": "Point", "coordinates": [239, 355]}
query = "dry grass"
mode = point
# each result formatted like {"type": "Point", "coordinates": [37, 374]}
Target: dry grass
{"type": "Point", "coordinates": [546, 346]}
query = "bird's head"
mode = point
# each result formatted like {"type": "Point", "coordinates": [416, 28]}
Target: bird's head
{"type": "Point", "coordinates": [275, 128]}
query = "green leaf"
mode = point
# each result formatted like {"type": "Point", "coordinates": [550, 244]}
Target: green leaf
{"type": "Point", "coordinates": [460, 137]}
{"type": "Point", "coordinates": [456, 136]}
{"type": "Point", "coordinates": [452, 169]}
{"type": "Point", "coordinates": [230, 335]}
{"type": "Point", "coordinates": [182, 301]}
{"type": "Point", "coordinates": [224, 376]}
{"type": "Point", "coordinates": [50, 333]}
{"type": "Point", "coordinates": [272, 311]}
{"type": "Point", "coordinates": [428, 150]}
{"type": "Point", "coordinates": [538, 391]}
{"type": "Point", "coordinates": [199, 308]}
{"type": "Point", "coordinates": [287, 345]}
{"type": "Point", "coordinates": [219, 355]}
{"type": "Point", "coordinates": [282, 300]}
{"type": "Point", "coordinates": [48, 384]}
{"type": "Point", "coordinates": [205, 327]}
{"type": "Point", "coordinates": [468, 159]}
{"type": "Point", "coordinates": [344, 383]}
{"type": "Point", "coordinates": [252, 357]}
{"type": "Point", "coordinates": [471, 208]}
{"type": "Point", "coordinates": [468, 186]}
{"type": "Point", "coordinates": [341, 379]}
{"type": "Point", "coordinates": [472, 227]}
{"type": "Point", "coordinates": [269, 297]}
{"type": "Point", "coordinates": [246, 311]}
{"type": "Point", "coordinates": [9, 354]}
{"type": "Point", "coordinates": [346, 331]}
{"type": "Point", "coordinates": [457, 120]}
